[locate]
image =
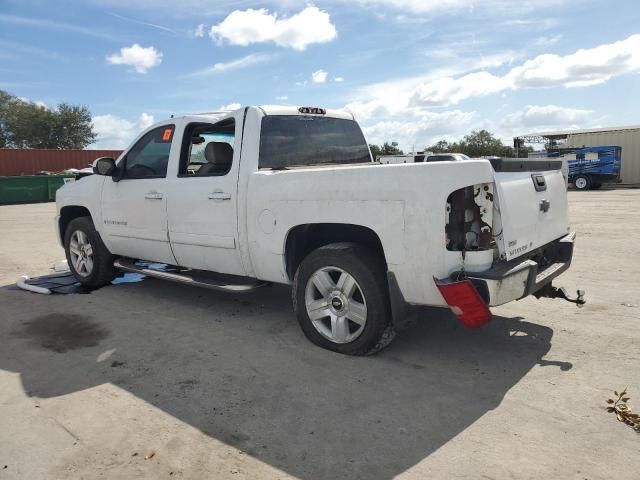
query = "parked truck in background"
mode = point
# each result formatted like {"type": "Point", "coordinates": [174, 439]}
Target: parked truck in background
{"type": "Point", "coordinates": [292, 196]}
{"type": "Point", "coordinates": [588, 167]}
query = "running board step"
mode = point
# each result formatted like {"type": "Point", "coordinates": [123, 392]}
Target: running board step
{"type": "Point", "coordinates": [197, 278]}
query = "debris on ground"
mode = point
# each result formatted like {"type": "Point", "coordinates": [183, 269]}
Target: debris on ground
{"type": "Point", "coordinates": [60, 282]}
{"type": "Point", "coordinates": [622, 410]}
{"type": "Point", "coordinates": [150, 455]}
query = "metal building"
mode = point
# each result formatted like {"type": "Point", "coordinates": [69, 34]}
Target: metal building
{"type": "Point", "coordinates": [626, 137]}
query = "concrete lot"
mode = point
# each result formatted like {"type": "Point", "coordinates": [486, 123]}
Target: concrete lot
{"type": "Point", "coordinates": [217, 386]}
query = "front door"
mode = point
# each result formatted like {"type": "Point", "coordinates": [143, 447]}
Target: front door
{"type": "Point", "coordinates": [134, 209]}
{"type": "Point", "coordinates": [202, 198]}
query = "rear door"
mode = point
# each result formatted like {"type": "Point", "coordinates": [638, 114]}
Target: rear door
{"type": "Point", "coordinates": [532, 204]}
{"type": "Point", "coordinates": [202, 197]}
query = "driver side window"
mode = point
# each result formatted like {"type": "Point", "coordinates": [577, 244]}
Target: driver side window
{"type": "Point", "coordinates": [150, 156]}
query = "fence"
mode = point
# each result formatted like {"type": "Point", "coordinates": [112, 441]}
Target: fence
{"type": "Point", "coordinates": [33, 161]}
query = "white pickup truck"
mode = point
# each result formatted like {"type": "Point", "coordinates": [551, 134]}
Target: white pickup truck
{"type": "Point", "coordinates": [288, 195]}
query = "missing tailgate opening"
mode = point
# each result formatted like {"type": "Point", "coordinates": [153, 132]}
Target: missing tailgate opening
{"type": "Point", "coordinates": [469, 216]}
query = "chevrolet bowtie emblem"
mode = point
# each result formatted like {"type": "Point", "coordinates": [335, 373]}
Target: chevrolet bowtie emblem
{"type": "Point", "coordinates": [545, 205]}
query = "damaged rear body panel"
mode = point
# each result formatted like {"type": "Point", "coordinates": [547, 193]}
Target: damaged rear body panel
{"type": "Point", "coordinates": [512, 235]}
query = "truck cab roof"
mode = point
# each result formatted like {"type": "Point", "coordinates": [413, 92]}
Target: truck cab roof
{"type": "Point", "coordinates": [279, 110]}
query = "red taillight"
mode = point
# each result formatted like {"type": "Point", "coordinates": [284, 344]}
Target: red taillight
{"type": "Point", "coordinates": [465, 302]}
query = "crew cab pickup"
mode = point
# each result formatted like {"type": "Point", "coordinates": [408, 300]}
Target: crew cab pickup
{"type": "Point", "coordinates": [237, 200]}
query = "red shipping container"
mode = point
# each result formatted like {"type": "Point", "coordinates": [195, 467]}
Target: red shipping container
{"type": "Point", "coordinates": [16, 161]}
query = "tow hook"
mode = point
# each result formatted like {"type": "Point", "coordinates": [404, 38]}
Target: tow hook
{"type": "Point", "coordinates": [550, 291]}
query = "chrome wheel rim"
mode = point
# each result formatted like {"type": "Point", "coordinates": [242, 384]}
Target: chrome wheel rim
{"type": "Point", "coordinates": [336, 305]}
{"type": "Point", "coordinates": [81, 253]}
{"type": "Point", "coordinates": [581, 183]}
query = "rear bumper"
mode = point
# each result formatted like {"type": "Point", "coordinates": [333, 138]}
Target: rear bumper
{"type": "Point", "coordinates": [516, 279]}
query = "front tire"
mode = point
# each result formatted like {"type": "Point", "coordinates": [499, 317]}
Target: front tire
{"type": "Point", "coordinates": [87, 256]}
{"type": "Point", "coordinates": [341, 299]}
{"type": "Point", "coordinates": [582, 183]}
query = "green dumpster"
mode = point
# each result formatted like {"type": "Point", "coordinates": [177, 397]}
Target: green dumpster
{"type": "Point", "coordinates": [31, 188]}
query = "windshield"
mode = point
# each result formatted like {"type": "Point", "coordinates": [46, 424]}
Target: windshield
{"type": "Point", "coordinates": [289, 141]}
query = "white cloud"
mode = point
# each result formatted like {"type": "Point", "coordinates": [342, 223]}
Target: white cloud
{"type": "Point", "coordinates": [450, 91]}
{"type": "Point", "coordinates": [230, 107]}
{"type": "Point", "coordinates": [421, 6]}
{"type": "Point", "coordinates": [583, 68]}
{"type": "Point", "coordinates": [547, 116]}
{"type": "Point", "coordinates": [547, 41]}
{"type": "Point", "coordinates": [117, 132]}
{"type": "Point", "coordinates": [243, 62]}
{"type": "Point", "coordinates": [420, 132]}
{"type": "Point", "coordinates": [146, 24]}
{"type": "Point", "coordinates": [454, 6]}
{"type": "Point", "coordinates": [282, 98]}
{"type": "Point", "coordinates": [142, 59]}
{"type": "Point", "coordinates": [244, 27]}
{"type": "Point", "coordinates": [319, 76]}
{"type": "Point", "coordinates": [338, 79]}
{"type": "Point", "coordinates": [199, 31]}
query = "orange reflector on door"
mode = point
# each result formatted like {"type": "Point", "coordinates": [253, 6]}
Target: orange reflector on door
{"type": "Point", "coordinates": [166, 135]}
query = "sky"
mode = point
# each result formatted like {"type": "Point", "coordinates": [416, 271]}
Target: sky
{"type": "Point", "coordinates": [411, 71]}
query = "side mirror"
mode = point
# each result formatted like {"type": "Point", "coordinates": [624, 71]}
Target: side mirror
{"type": "Point", "coordinates": [104, 166]}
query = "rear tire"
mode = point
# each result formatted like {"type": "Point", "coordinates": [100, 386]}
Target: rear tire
{"type": "Point", "coordinates": [87, 256]}
{"type": "Point", "coordinates": [343, 287]}
{"type": "Point", "coordinates": [582, 182]}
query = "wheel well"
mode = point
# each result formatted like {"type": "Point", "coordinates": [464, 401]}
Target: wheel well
{"type": "Point", "coordinates": [69, 213]}
{"type": "Point", "coordinates": [304, 239]}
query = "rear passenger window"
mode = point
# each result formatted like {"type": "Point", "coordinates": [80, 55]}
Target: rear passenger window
{"type": "Point", "coordinates": [207, 149]}
{"type": "Point", "coordinates": [150, 156]}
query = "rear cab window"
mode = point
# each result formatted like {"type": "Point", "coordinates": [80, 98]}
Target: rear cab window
{"type": "Point", "coordinates": [300, 140]}
{"type": "Point", "coordinates": [440, 158]}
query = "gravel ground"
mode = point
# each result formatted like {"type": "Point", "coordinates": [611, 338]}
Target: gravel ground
{"type": "Point", "coordinates": [158, 380]}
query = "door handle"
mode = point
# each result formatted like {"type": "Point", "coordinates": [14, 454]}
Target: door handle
{"type": "Point", "coordinates": [153, 196]}
{"type": "Point", "coordinates": [219, 196]}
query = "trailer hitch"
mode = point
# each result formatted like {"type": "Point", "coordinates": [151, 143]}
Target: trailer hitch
{"type": "Point", "coordinates": [549, 291]}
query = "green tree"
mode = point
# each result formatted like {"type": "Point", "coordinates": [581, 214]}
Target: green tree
{"type": "Point", "coordinates": [5, 98]}
{"type": "Point", "coordinates": [72, 127]}
{"type": "Point", "coordinates": [24, 124]}
{"type": "Point", "coordinates": [443, 146]}
{"type": "Point", "coordinates": [478, 143]}
{"type": "Point", "coordinates": [481, 143]}
{"type": "Point", "coordinates": [386, 149]}
{"type": "Point", "coordinates": [376, 151]}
